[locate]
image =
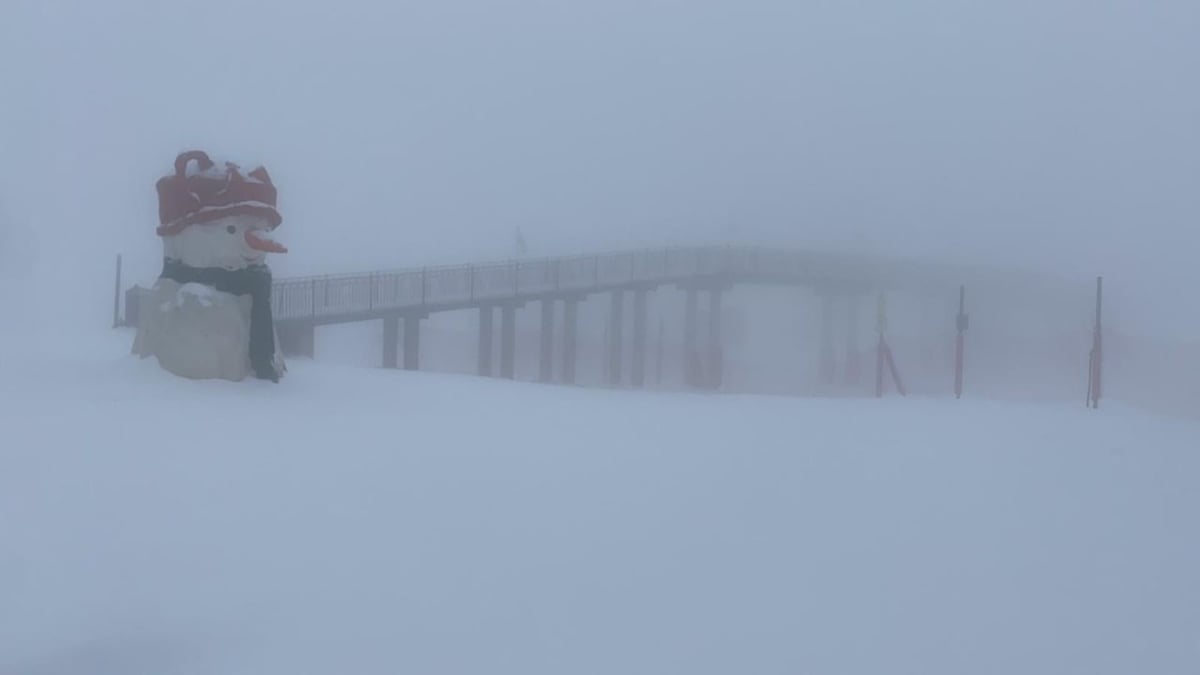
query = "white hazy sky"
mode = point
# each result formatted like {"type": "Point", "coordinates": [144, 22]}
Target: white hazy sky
{"type": "Point", "coordinates": [1058, 133]}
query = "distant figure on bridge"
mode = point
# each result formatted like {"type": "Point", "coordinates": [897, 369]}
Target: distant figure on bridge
{"type": "Point", "coordinates": [209, 313]}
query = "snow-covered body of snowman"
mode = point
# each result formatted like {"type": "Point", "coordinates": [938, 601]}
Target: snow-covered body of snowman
{"type": "Point", "coordinates": [209, 313]}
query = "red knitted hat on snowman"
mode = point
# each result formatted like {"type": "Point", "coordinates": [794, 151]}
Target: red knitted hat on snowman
{"type": "Point", "coordinates": [200, 191]}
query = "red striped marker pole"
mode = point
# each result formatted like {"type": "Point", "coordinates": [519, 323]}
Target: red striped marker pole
{"type": "Point", "coordinates": [1096, 357]}
{"type": "Point", "coordinates": [959, 342]}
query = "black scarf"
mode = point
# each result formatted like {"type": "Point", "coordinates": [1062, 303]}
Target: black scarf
{"type": "Point", "coordinates": [254, 280]}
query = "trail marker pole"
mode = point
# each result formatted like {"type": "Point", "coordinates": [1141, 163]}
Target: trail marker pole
{"type": "Point", "coordinates": [658, 360]}
{"type": "Point", "coordinates": [959, 341]}
{"type": "Point", "coordinates": [1096, 356]}
{"type": "Point", "coordinates": [880, 326]}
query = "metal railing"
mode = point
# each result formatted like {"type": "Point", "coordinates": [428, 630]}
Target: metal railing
{"type": "Point", "coordinates": [329, 297]}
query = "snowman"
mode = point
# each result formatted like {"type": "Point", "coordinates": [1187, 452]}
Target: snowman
{"type": "Point", "coordinates": [209, 312]}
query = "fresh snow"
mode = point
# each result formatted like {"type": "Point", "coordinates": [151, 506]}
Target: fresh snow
{"type": "Point", "coordinates": [356, 521]}
{"type": "Point", "coordinates": [221, 168]}
{"type": "Point", "coordinates": [202, 293]}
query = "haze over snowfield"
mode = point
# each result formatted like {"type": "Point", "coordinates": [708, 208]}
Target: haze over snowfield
{"type": "Point", "coordinates": [363, 521]}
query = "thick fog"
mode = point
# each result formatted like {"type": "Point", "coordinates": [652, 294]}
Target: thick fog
{"type": "Point", "coordinates": [1059, 134]}
{"type": "Point", "coordinates": [703, 479]}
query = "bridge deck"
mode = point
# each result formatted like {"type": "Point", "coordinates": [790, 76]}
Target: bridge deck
{"type": "Point", "coordinates": [346, 298]}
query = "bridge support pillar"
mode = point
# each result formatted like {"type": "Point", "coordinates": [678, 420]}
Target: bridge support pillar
{"type": "Point", "coordinates": [486, 341]}
{"type": "Point", "coordinates": [412, 342]}
{"type": "Point", "coordinates": [716, 352]}
{"type": "Point", "coordinates": [508, 341]}
{"type": "Point", "coordinates": [570, 341]}
{"type": "Point", "coordinates": [297, 339]}
{"type": "Point", "coordinates": [616, 337]}
{"type": "Point", "coordinates": [691, 359]}
{"type": "Point", "coordinates": [546, 363]}
{"type": "Point", "coordinates": [853, 358]}
{"type": "Point", "coordinates": [391, 340]}
{"type": "Point", "coordinates": [639, 338]}
{"type": "Point", "coordinates": [828, 362]}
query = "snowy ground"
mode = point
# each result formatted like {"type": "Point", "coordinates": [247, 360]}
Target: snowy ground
{"type": "Point", "coordinates": [356, 521]}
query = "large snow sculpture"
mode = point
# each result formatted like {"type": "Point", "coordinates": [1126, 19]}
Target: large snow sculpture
{"type": "Point", "coordinates": [209, 313]}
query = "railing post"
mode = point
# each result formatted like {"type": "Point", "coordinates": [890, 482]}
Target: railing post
{"type": "Point", "coordinates": [424, 286]}
{"type": "Point", "coordinates": [516, 278]}
{"type": "Point", "coordinates": [371, 291]}
{"type": "Point", "coordinates": [596, 270]}
{"type": "Point", "coordinates": [313, 297]}
{"type": "Point", "coordinates": [471, 283]}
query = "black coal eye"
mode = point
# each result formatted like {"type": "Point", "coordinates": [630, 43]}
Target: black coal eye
{"type": "Point", "coordinates": [231, 229]}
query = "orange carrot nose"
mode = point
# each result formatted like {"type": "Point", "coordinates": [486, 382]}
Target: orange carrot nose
{"type": "Point", "coordinates": [263, 244]}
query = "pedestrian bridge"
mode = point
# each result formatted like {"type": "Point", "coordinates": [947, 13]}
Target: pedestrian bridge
{"type": "Point", "coordinates": [356, 297]}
